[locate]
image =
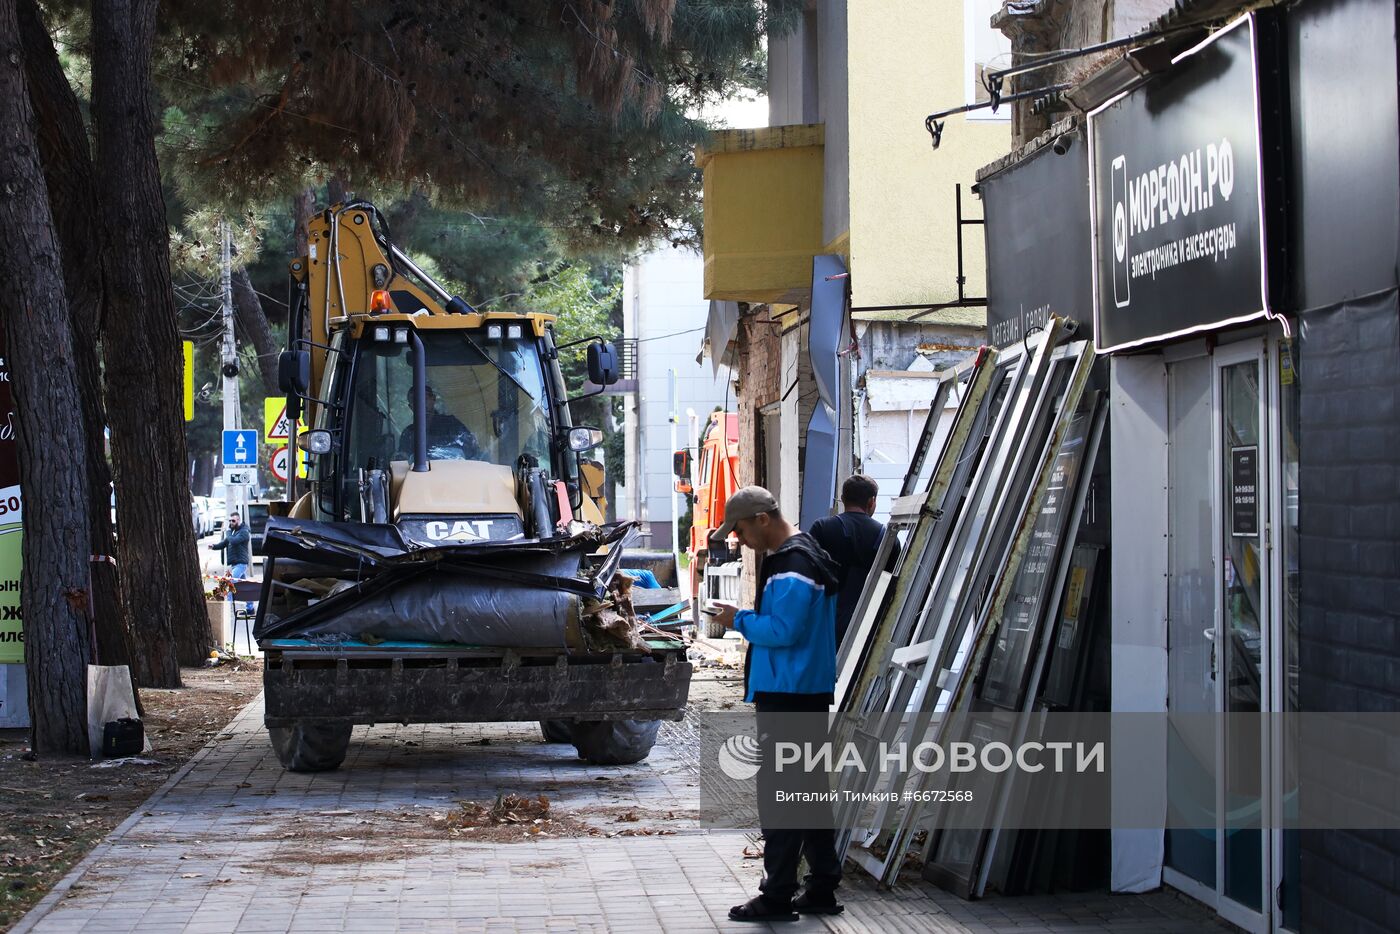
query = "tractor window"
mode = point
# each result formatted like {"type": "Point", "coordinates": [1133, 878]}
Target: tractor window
{"type": "Point", "coordinates": [486, 400]}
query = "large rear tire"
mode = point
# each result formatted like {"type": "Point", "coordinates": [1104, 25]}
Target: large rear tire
{"type": "Point", "coordinates": [557, 731]}
{"type": "Point", "coordinates": [615, 742]}
{"type": "Point", "coordinates": [310, 747]}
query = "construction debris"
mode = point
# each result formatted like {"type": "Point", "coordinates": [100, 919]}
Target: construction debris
{"type": "Point", "coordinates": [612, 623]}
{"type": "Point", "coordinates": [986, 531]}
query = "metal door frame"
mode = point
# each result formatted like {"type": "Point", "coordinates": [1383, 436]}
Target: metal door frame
{"type": "Point", "coordinates": [1256, 350]}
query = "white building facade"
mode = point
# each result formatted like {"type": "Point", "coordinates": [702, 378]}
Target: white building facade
{"type": "Point", "coordinates": [662, 309]}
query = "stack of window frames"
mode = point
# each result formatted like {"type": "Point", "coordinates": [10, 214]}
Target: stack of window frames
{"type": "Point", "coordinates": [923, 627]}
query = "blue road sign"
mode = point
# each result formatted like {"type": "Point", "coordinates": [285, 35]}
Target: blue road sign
{"type": "Point", "coordinates": [241, 448]}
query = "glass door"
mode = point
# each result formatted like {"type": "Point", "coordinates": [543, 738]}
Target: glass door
{"type": "Point", "coordinates": [1243, 643]}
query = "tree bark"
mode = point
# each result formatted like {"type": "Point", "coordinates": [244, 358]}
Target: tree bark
{"type": "Point", "coordinates": [52, 456]}
{"type": "Point", "coordinates": [141, 345]}
{"type": "Point", "coordinates": [335, 190]}
{"type": "Point", "coordinates": [252, 321]}
{"type": "Point", "coordinates": [67, 160]}
{"type": "Point", "coordinates": [303, 206]}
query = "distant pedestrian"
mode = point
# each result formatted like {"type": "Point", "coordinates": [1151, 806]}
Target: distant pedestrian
{"type": "Point", "coordinates": [852, 539]}
{"type": "Point", "coordinates": [237, 547]}
{"type": "Point", "coordinates": [790, 671]}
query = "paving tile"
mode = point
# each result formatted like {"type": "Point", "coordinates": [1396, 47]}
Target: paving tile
{"type": "Point", "coordinates": [356, 850]}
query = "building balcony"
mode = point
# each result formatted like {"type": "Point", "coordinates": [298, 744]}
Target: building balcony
{"type": "Point", "coordinates": [763, 211]}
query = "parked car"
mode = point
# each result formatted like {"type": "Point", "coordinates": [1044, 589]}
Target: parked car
{"type": "Point", "coordinates": [205, 524]}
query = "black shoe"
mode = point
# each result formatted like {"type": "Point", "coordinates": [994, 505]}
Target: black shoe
{"type": "Point", "coordinates": [817, 903]}
{"type": "Point", "coordinates": [761, 909]}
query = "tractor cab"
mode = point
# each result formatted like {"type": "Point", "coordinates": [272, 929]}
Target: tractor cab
{"type": "Point", "coordinates": [456, 432]}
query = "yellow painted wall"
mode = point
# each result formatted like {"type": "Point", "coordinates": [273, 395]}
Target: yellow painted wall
{"type": "Point", "coordinates": [906, 61]}
{"type": "Point", "coordinates": [763, 218]}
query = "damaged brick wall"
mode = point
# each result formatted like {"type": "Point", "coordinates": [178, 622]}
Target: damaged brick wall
{"type": "Point", "coordinates": [758, 367]}
{"type": "Point", "coordinates": [1040, 26]}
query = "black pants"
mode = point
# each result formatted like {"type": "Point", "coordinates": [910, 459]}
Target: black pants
{"type": "Point", "coordinates": [784, 848]}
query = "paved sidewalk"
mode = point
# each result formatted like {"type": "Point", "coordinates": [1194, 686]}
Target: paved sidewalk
{"type": "Point", "coordinates": [233, 843]}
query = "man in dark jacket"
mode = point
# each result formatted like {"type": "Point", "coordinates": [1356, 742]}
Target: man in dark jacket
{"type": "Point", "coordinates": [790, 669]}
{"type": "Point", "coordinates": [237, 547]}
{"type": "Point", "coordinates": [852, 539]}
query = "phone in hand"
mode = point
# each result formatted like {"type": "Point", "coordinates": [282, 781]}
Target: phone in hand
{"type": "Point", "coordinates": [716, 607]}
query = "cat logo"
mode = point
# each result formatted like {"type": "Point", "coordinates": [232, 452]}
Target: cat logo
{"type": "Point", "coordinates": [461, 529]}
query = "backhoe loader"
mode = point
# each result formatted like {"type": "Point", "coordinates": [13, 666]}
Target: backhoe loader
{"type": "Point", "coordinates": [449, 559]}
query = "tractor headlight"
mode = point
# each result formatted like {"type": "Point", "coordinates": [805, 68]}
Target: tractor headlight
{"type": "Point", "coordinates": [381, 333]}
{"type": "Point", "coordinates": [316, 441]}
{"type": "Point", "coordinates": [401, 335]}
{"type": "Point", "coordinates": [493, 332]}
{"type": "Point", "coordinates": [514, 332]}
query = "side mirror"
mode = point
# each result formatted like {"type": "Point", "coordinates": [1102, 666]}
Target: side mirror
{"type": "Point", "coordinates": [603, 366]}
{"type": "Point", "coordinates": [316, 441]}
{"type": "Point", "coordinates": [584, 439]}
{"type": "Point", "coordinates": [680, 464]}
{"type": "Point", "coordinates": [294, 372]}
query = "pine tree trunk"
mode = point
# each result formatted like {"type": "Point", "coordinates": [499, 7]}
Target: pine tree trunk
{"type": "Point", "coordinates": [141, 346]}
{"type": "Point", "coordinates": [303, 206]}
{"type": "Point", "coordinates": [52, 458]}
{"type": "Point", "coordinates": [252, 321]}
{"type": "Point", "coordinates": [335, 190]}
{"type": "Point", "coordinates": [67, 160]}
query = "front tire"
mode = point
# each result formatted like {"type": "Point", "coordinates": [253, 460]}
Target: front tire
{"type": "Point", "coordinates": [557, 731]}
{"type": "Point", "coordinates": [310, 747]}
{"type": "Point", "coordinates": [615, 742]}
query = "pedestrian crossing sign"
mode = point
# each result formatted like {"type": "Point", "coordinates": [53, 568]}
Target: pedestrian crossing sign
{"type": "Point", "coordinates": [276, 425]}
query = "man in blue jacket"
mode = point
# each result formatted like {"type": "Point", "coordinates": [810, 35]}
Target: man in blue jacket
{"type": "Point", "coordinates": [790, 669]}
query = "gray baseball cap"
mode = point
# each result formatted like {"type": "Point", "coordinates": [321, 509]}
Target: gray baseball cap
{"type": "Point", "coordinates": [746, 503]}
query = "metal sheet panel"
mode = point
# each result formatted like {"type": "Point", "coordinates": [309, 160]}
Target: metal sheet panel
{"type": "Point", "coordinates": [1137, 422]}
{"type": "Point", "coordinates": [827, 328]}
{"type": "Point", "coordinates": [819, 466]}
{"type": "Point", "coordinates": [1037, 232]}
{"type": "Point", "coordinates": [1345, 179]}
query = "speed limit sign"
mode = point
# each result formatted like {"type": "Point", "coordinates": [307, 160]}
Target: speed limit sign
{"type": "Point", "coordinates": [279, 463]}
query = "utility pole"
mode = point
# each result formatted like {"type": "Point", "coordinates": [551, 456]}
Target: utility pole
{"type": "Point", "coordinates": [234, 496]}
{"type": "Point", "coordinates": [675, 506]}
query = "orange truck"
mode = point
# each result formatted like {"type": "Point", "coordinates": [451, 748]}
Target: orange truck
{"type": "Point", "coordinates": [714, 569]}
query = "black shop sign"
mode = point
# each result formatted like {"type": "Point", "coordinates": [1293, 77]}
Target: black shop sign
{"type": "Point", "coordinates": [1175, 196]}
{"type": "Point", "coordinates": [1037, 236]}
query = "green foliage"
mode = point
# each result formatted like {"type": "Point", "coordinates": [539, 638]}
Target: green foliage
{"type": "Point", "coordinates": [587, 302]}
{"type": "Point", "coordinates": [578, 115]}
